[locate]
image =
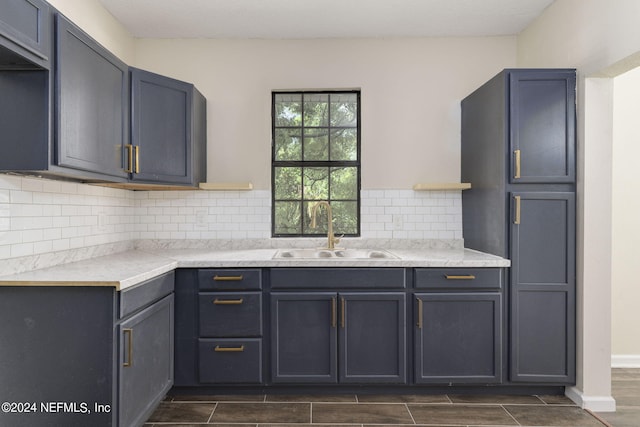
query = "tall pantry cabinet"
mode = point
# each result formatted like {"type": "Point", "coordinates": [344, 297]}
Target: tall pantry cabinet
{"type": "Point", "coordinates": [518, 151]}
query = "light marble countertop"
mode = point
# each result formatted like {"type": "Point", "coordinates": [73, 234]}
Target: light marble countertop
{"type": "Point", "coordinates": [127, 269]}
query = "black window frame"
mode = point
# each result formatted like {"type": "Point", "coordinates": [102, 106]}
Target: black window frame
{"type": "Point", "coordinates": [314, 163]}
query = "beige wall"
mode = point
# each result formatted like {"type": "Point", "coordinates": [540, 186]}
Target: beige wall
{"type": "Point", "coordinates": [100, 24]}
{"type": "Point", "coordinates": [601, 39]}
{"type": "Point", "coordinates": [411, 92]}
{"type": "Point", "coordinates": [626, 205]}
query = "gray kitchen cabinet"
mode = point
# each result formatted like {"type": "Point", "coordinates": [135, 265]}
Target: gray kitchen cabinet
{"type": "Point", "coordinates": [106, 355]}
{"type": "Point", "coordinates": [518, 151]}
{"type": "Point", "coordinates": [458, 325]}
{"type": "Point", "coordinates": [542, 126]}
{"type": "Point", "coordinates": [543, 287]}
{"type": "Point", "coordinates": [338, 325]}
{"type": "Point", "coordinates": [372, 337]}
{"type": "Point", "coordinates": [219, 327]}
{"type": "Point", "coordinates": [328, 337]}
{"type": "Point", "coordinates": [146, 361]}
{"type": "Point", "coordinates": [25, 36]}
{"type": "Point", "coordinates": [168, 131]}
{"type": "Point", "coordinates": [304, 337]}
{"type": "Point", "coordinates": [458, 338]}
{"type": "Point", "coordinates": [92, 104]}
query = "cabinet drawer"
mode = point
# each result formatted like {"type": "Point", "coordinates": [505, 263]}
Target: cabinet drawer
{"type": "Point", "coordinates": [217, 279]}
{"type": "Point", "coordinates": [334, 278]}
{"type": "Point", "coordinates": [145, 293]}
{"type": "Point", "coordinates": [230, 360]}
{"type": "Point", "coordinates": [458, 278]}
{"type": "Point", "coordinates": [230, 314]}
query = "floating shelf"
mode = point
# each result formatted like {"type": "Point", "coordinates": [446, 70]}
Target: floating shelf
{"type": "Point", "coordinates": [444, 186]}
{"type": "Point", "coordinates": [226, 186]}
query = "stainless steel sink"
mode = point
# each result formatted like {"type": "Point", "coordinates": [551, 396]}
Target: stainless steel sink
{"type": "Point", "coordinates": [313, 253]}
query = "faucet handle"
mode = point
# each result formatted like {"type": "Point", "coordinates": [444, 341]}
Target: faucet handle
{"type": "Point", "coordinates": [336, 240]}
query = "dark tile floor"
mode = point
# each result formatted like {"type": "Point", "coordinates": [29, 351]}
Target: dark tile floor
{"type": "Point", "coordinates": [398, 410]}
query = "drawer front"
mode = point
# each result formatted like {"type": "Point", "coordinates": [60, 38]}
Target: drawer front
{"type": "Point", "coordinates": [337, 278]}
{"type": "Point", "coordinates": [230, 314]}
{"type": "Point", "coordinates": [459, 278]}
{"type": "Point", "coordinates": [230, 280]}
{"type": "Point", "coordinates": [145, 293]}
{"type": "Point", "coordinates": [230, 361]}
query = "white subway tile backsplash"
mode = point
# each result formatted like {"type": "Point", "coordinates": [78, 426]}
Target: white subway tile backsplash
{"type": "Point", "coordinates": [38, 216]}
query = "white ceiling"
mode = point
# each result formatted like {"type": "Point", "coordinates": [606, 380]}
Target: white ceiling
{"type": "Point", "coordinates": [300, 19]}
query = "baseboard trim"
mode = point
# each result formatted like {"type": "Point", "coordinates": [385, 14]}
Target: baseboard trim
{"type": "Point", "coordinates": [625, 360]}
{"type": "Point", "coordinates": [592, 403]}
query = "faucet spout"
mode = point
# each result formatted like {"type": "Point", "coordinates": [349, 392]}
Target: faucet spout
{"type": "Point", "coordinates": [331, 238]}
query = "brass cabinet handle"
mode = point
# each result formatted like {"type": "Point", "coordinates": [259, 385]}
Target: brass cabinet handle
{"type": "Point", "coordinates": [516, 219]}
{"type": "Point", "coordinates": [517, 164]}
{"type": "Point", "coordinates": [129, 168]}
{"type": "Point", "coordinates": [419, 324]}
{"type": "Point", "coordinates": [227, 278]}
{"type": "Point", "coordinates": [136, 150]}
{"type": "Point", "coordinates": [218, 301]}
{"type": "Point", "coordinates": [343, 307]}
{"type": "Point", "coordinates": [459, 277]}
{"type": "Point", "coordinates": [333, 312]}
{"type": "Point", "coordinates": [129, 361]}
{"type": "Point", "coordinates": [229, 349]}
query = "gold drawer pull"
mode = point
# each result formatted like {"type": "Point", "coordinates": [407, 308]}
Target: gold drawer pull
{"type": "Point", "coordinates": [129, 362]}
{"type": "Point", "coordinates": [459, 277]}
{"type": "Point", "coordinates": [229, 349]}
{"type": "Point", "coordinates": [516, 175]}
{"type": "Point", "coordinates": [227, 278]}
{"type": "Point", "coordinates": [518, 202]}
{"type": "Point", "coordinates": [420, 313]}
{"type": "Point", "coordinates": [129, 168]}
{"type": "Point", "coordinates": [228, 301]}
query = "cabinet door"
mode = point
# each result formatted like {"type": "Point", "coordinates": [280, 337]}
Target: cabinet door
{"type": "Point", "coordinates": [24, 33]}
{"type": "Point", "coordinates": [92, 103]}
{"type": "Point", "coordinates": [542, 126]}
{"type": "Point", "coordinates": [543, 287]}
{"type": "Point", "coordinates": [458, 338]}
{"type": "Point", "coordinates": [303, 337]}
{"type": "Point", "coordinates": [373, 337]}
{"type": "Point", "coordinates": [161, 128]}
{"type": "Point", "coordinates": [145, 362]}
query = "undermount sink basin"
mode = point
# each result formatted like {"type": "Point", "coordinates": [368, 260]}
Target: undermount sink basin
{"type": "Point", "coordinates": [313, 253]}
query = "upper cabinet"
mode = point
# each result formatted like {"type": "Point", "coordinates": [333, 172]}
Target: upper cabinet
{"type": "Point", "coordinates": [542, 126]}
{"type": "Point", "coordinates": [25, 36]}
{"type": "Point", "coordinates": [168, 131]}
{"type": "Point", "coordinates": [90, 117]}
{"type": "Point", "coordinates": [92, 103]}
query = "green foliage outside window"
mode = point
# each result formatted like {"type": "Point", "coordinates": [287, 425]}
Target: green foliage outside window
{"type": "Point", "coordinates": [316, 150]}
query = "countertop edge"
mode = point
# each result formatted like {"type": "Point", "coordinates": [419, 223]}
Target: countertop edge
{"type": "Point", "coordinates": [137, 266]}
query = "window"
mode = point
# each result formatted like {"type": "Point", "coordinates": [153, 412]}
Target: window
{"type": "Point", "coordinates": [315, 156]}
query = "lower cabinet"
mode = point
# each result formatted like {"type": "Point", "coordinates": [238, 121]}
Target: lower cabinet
{"type": "Point", "coordinates": [458, 338]}
{"type": "Point", "coordinates": [86, 356]}
{"type": "Point", "coordinates": [329, 337]}
{"type": "Point", "coordinates": [145, 366]}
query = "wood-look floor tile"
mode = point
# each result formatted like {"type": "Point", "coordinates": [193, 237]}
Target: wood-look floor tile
{"type": "Point", "coordinates": [626, 393]}
{"type": "Point", "coordinates": [557, 400]}
{"type": "Point", "coordinates": [625, 374]}
{"type": "Point", "coordinates": [625, 416]}
{"type": "Point", "coordinates": [496, 399]}
{"type": "Point", "coordinates": [360, 413]}
{"type": "Point", "coordinates": [218, 398]}
{"type": "Point", "coordinates": [262, 413]}
{"type": "Point", "coordinates": [403, 398]}
{"type": "Point", "coordinates": [311, 398]}
{"type": "Point", "coordinates": [569, 416]}
{"type": "Point", "coordinates": [461, 415]}
{"type": "Point", "coordinates": [170, 412]}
